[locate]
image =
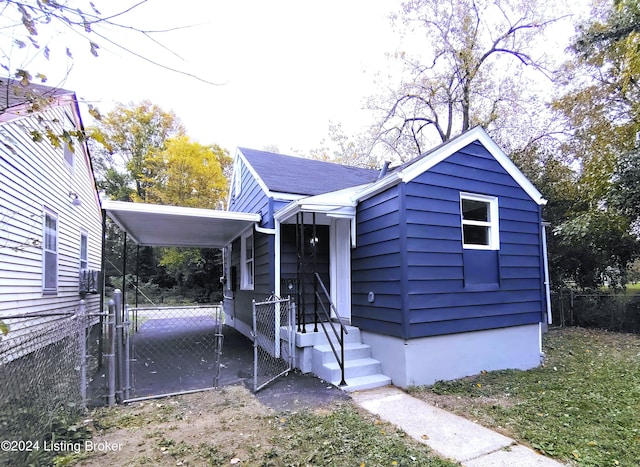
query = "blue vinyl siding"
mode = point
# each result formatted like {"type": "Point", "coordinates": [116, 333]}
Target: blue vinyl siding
{"type": "Point", "coordinates": [377, 265]}
{"type": "Point", "coordinates": [253, 199]}
{"type": "Point", "coordinates": [423, 256]}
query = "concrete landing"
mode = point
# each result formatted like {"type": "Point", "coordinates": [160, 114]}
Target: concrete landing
{"type": "Point", "coordinates": [449, 435]}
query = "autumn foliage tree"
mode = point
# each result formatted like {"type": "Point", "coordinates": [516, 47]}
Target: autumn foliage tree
{"type": "Point", "coordinates": [141, 154]}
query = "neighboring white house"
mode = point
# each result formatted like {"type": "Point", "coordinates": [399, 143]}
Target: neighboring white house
{"type": "Point", "coordinates": [50, 215]}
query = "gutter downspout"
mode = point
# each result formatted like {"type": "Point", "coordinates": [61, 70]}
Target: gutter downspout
{"type": "Point", "coordinates": [545, 259]}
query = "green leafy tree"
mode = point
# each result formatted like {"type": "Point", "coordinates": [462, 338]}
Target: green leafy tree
{"type": "Point", "coordinates": [124, 141]}
{"type": "Point", "coordinates": [600, 104]}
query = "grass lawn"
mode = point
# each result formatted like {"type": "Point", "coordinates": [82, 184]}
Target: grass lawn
{"type": "Point", "coordinates": [582, 406]}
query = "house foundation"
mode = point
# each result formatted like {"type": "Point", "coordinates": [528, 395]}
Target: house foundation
{"type": "Point", "coordinates": [424, 361]}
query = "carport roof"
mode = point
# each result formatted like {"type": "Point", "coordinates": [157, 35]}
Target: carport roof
{"type": "Point", "coordinates": [159, 225]}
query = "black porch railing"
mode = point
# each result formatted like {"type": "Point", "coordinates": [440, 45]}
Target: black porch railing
{"type": "Point", "coordinates": [322, 308]}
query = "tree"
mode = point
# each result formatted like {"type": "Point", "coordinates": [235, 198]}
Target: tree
{"type": "Point", "coordinates": [600, 104]}
{"type": "Point", "coordinates": [472, 72]}
{"type": "Point", "coordinates": [187, 174]}
{"type": "Point", "coordinates": [124, 141]}
{"type": "Point", "coordinates": [347, 151]}
{"type": "Point", "coordinates": [191, 175]}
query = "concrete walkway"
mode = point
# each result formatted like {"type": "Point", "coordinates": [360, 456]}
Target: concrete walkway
{"type": "Point", "coordinates": [449, 435]}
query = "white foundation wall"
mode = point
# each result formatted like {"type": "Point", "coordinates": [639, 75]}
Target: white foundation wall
{"type": "Point", "coordinates": [424, 361]}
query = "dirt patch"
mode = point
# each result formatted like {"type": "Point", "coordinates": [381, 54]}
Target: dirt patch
{"type": "Point", "coordinates": [214, 427]}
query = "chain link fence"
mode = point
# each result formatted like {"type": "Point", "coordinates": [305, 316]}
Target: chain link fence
{"type": "Point", "coordinates": [273, 340]}
{"type": "Point", "coordinates": [604, 310]}
{"type": "Point", "coordinates": [40, 381]}
{"type": "Point", "coordinates": [173, 349]}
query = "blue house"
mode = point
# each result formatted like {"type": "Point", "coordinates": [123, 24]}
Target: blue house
{"type": "Point", "coordinates": [437, 267]}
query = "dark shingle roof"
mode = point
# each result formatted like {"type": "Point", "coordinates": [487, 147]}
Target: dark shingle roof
{"type": "Point", "coordinates": [13, 94]}
{"type": "Point", "coordinates": [297, 175]}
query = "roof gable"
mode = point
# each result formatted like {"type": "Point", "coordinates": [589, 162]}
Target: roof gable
{"type": "Point", "coordinates": [416, 167]}
{"type": "Point", "coordinates": [299, 176]}
{"type": "Point", "coordinates": [16, 98]}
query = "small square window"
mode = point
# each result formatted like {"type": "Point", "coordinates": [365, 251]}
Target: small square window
{"type": "Point", "coordinates": [479, 215]}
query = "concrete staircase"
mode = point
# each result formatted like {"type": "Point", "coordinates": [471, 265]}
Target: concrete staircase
{"type": "Point", "coordinates": [361, 370]}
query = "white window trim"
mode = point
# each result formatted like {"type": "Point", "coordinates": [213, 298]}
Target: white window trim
{"type": "Point", "coordinates": [53, 215]}
{"type": "Point", "coordinates": [85, 260]}
{"type": "Point", "coordinates": [493, 223]}
{"type": "Point", "coordinates": [247, 280]}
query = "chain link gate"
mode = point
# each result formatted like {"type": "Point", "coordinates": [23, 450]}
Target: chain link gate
{"type": "Point", "coordinates": [171, 350]}
{"type": "Point", "coordinates": [273, 340]}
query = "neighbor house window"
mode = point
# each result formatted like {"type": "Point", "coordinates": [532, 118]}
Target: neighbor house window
{"type": "Point", "coordinates": [247, 257]}
{"type": "Point", "coordinates": [68, 154]}
{"type": "Point", "coordinates": [50, 253]}
{"type": "Point", "coordinates": [84, 255]}
{"type": "Point", "coordinates": [479, 221]}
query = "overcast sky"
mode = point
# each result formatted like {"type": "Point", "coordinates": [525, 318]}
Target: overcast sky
{"type": "Point", "coordinates": [286, 68]}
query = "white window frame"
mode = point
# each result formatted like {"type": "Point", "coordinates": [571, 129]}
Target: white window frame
{"type": "Point", "coordinates": [84, 253]}
{"type": "Point", "coordinates": [50, 252]}
{"type": "Point", "coordinates": [492, 223]}
{"type": "Point", "coordinates": [247, 264]}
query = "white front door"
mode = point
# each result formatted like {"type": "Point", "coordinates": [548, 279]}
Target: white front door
{"type": "Point", "coordinates": [340, 265]}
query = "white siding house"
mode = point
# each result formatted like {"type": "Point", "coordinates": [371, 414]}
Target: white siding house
{"type": "Point", "coordinates": [50, 215]}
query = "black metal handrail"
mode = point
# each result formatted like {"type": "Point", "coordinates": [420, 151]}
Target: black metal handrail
{"type": "Point", "coordinates": [343, 329]}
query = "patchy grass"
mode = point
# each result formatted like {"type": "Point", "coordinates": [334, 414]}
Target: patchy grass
{"type": "Point", "coordinates": [230, 427]}
{"type": "Point", "coordinates": [582, 406]}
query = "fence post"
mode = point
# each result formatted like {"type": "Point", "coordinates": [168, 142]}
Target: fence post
{"type": "Point", "coordinates": [117, 298]}
{"type": "Point", "coordinates": [127, 356]}
{"type": "Point", "coordinates": [292, 332]}
{"type": "Point", "coordinates": [111, 333]}
{"type": "Point", "coordinates": [81, 318]}
{"type": "Point", "coordinates": [255, 346]}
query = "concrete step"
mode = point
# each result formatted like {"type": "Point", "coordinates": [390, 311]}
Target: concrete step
{"type": "Point", "coordinates": [311, 338]}
{"type": "Point", "coordinates": [352, 369]}
{"type": "Point", "coordinates": [324, 353]}
{"type": "Point", "coordinates": [365, 382]}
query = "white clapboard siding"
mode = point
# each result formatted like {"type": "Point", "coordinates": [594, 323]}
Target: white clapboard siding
{"type": "Point", "coordinates": [35, 177]}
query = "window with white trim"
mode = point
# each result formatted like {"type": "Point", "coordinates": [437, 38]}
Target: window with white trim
{"type": "Point", "coordinates": [50, 253]}
{"type": "Point", "coordinates": [84, 250]}
{"type": "Point", "coordinates": [480, 224]}
{"type": "Point", "coordinates": [247, 263]}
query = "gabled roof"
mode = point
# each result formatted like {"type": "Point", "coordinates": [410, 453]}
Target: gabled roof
{"type": "Point", "coordinates": [412, 169]}
{"type": "Point", "coordinates": [300, 176]}
{"type": "Point", "coordinates": [15, 97]}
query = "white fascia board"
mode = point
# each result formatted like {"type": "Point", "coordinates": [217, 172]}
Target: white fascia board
{"type": "Point", "coordinates": [338, 203]}
{"type": "Point", "coordinates": [377, 187]}
{"type": "Point", "coordinates": [475, 134]}
{"type": "Point", "coordinates": [254, 173]}
{"type": "Point", "coordinates": [126, 206]}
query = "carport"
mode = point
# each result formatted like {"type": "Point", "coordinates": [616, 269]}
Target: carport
{"type": "Point", "coordinates": [155, 338]}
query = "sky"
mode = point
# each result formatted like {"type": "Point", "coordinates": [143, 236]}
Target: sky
{"type": "Point", "coordinates": [285, 69]}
